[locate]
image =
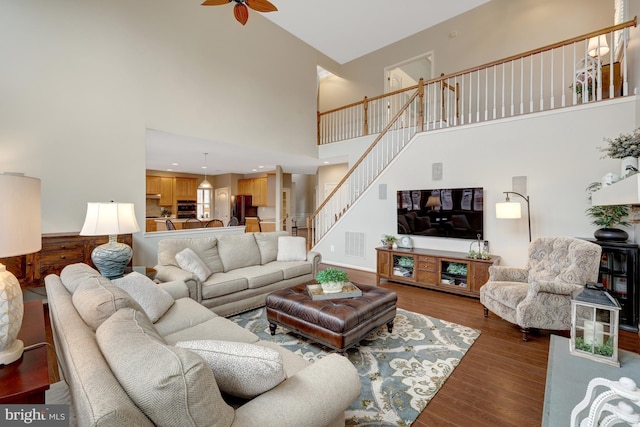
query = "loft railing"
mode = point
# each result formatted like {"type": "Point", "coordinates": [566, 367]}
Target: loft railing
{"type": "Point", "coordinates": [533, 81]}
{"type": "Point", "coordinates": [554, 76]}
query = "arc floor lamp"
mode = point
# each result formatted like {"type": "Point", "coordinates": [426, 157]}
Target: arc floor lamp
{"type": "Point", "coordinates": [513, 210]}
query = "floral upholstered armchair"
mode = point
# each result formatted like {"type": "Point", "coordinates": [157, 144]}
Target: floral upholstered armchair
{"type": "Point", "coordinates": [539, 296]}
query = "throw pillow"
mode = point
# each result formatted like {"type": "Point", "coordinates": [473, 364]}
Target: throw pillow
{"type": "Point", "coordinates": [268, 245]}
{"type": "Point", "coordinates": [172, 386]}
{"type": "Point", "coordinates": [154, 300]}
{"type": "Point", "coordinates": [205, 247]}
{"type": "Point", "coordinates": [74, 274]}
{"type": "Point", "coordinates": [241, 369]}
{"type": "Point", "coordinates": [97, 299]}
{"type": "Point", "coordinates": [292, 248]}
{"type": "Point", "coordinates": [189, 261]}
{"type": "Point", "coordinates": [238, 250]}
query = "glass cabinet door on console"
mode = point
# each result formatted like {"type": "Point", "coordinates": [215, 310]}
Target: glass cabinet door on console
{"type": "Point", "coordinates": [619, 274]}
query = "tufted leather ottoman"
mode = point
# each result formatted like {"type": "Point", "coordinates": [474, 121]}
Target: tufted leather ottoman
{"type": "Point", "coordinates": [336, 323]}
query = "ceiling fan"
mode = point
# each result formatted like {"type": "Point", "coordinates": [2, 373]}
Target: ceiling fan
{"type": "Point", "coordinates": [240, 10]}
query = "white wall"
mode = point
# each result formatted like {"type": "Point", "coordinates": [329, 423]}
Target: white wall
{"type": "Point", "coordinates": [87, 77]}
{"type": "Point", "coordinates": [556, 151]}
{"type": "Point", "coordinates": [494, 30]}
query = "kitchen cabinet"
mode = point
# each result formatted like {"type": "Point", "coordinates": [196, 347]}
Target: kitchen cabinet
{"type": "Point", "coordinates": [185, 188]}
{"type": "Point", "coordinates": [256, 188]}
{"type": "Point", "coordinates": [58, 250]}
{"type": "Point", "coordinates": [445, 271]}
{"type": "Point", "coordinates": [150, 225]}
{"type": "Point", "coordinates": [166, 191]}
{"type": "Point", "coordinates": [153, 184]}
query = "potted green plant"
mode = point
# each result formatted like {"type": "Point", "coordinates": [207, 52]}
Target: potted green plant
{"type": "Point", "coordinates": [625, 147]}
{"type": "Point", "coordinates": [607, 218]}
{"type": "Point", "coordinates": [388, 240]}
{"type": "Point", "coordinates": [331, 279]}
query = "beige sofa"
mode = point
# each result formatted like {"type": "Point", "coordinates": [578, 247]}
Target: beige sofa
{"type": "Point", "coordinates": [132, 372]}
{"type": "Point", "coordinates": [241, 269]}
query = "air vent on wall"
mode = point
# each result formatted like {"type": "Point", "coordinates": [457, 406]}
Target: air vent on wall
{"type": "Point", "coordinates": [354, 244]}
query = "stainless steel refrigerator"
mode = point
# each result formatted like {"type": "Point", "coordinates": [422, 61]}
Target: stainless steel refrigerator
{"type": "Point", "coordinates": [242, 208]}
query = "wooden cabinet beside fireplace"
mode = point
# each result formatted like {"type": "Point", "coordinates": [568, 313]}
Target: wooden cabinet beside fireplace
{"type": "Point", "coordinates": [441, 270]}
{"type": "Point", "coordinates": [58, 250]}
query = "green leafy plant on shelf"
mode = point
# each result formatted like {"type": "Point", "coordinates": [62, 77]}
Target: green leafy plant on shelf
{"type": "Point", "coordinates": [605, 349]}
{"type": "Point", "coordinates": [457, 268]}
{"type": "Point", "coordinates": [331, 275]}
{"type": "Point", "coordinates": [479, 255]}
{"type": "Point", "coordinates": [405, 261]}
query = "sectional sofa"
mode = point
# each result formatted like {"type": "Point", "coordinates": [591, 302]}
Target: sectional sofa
{"type": "Point", "coordinates": [134, 353]}
{"type": "Point", "coordinates": [234, 273]}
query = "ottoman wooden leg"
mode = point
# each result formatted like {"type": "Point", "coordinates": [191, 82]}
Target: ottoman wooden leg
{"type": "Point", "coordinates": [390, 326]}
{"type": "Point", "coordinates": [272, 328]}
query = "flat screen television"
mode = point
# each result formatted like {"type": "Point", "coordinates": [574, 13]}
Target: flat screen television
{"type": "Point", "coordinates": [444, 212]}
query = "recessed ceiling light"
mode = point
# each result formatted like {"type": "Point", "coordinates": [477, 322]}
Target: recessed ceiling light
{"type": "Point", "coordinates": [169, 170]}
{"type": "Point", "coordinates": [326, 162]}
{"type": "Point", "coordinates": [260, 167]}
{"type": "Point", "coordinates": [254, 170]}
{"type": "Point", "coordinates": [203, 167]}
{"type": "Point", "coordinates": [175, 164]}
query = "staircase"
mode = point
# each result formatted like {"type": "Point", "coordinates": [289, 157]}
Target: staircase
{"type": "Point", "coordinates": [563, 74]}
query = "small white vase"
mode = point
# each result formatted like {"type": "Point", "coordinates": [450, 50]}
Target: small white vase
{"type": "Point", "coordinates": [628, 165]}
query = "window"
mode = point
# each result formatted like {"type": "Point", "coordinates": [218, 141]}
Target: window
{"type": "Point", "coordinates": [204, 203]}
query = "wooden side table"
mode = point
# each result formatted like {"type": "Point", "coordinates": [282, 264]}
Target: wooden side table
{"type": "Point", "coordinates": [26, 380]}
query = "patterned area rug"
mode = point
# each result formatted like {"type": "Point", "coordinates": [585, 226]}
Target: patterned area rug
{"type": "Point", "coordinates": [400, 371]}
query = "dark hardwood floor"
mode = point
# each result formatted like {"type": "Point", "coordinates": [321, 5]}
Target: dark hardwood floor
{"type": "Point", "coordinates": [501, 379]}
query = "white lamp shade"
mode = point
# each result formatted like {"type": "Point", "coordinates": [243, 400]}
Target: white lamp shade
{"type": "Point", "coordinates": [508, 210]}
{"type": "Point", "coordinates": [20, 215]}
{"type": "Point", "coordinates": [598, 46]}
{"type": "Point", "coordinates": [109, 219]}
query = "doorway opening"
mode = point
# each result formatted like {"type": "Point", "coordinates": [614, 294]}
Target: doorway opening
{"type": "Point", "coordinates": [409, 72]}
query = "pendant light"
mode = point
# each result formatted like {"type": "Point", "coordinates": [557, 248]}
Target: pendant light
{"type": "Point", "coordinates": [205, 183]}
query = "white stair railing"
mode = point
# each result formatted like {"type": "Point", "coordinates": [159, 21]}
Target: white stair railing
{"type": "Point", "coordinates": [405, 123]}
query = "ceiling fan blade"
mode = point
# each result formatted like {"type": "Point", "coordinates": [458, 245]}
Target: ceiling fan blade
{"type": "Point", "coordinates": [215, 2]}
{"type": "Point", "coordinates": [241, 12]}
{"type": "Point", "coordinates": [261, 5]}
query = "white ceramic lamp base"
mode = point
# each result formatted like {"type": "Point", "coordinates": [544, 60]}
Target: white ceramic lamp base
{"type": "Point", "coordinates": [112, 258]}
{"type": "Point", "coordinates": [11, 312]}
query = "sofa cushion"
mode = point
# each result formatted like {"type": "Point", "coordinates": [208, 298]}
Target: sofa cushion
{"type": "Point", "coordinates": [189, 261]}
{"type": "Point", "coordinates": [268, 245]}
{"type": "Point", "coordinates": [74, 274]}
{"type": "Point", "coordinates": [260, 275]}
{"type": "Point", "coordinates": [183, 314]}
{"type": "Point", "coordinates": [154, 300]}
{"type": "Point", "coordinates": [172, 386]}
{"type": "Point", "coordinates": [292, 248]}
{"type": "Point", "coordinates": [218, 328]}
{"type": "Point", "coordinates": [219, 284]}
{"type": "Point", "coordinates": [96, 299]}
{"type": "Point", "coordinates": [238, 250]}
{"type": "Point", "coordinates": [205, 247]}
{"type": "Point", "coordinates": [292, 269]}
{"type": "Point", "coordinates": [241, 370]}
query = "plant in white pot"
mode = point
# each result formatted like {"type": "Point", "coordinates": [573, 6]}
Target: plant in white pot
{"type": "Point", "coordinates": [625, 147]}
{"type": "Point", "coordinates": [608, 217]}
{"type": "Point", "coordinates": [331, 279]}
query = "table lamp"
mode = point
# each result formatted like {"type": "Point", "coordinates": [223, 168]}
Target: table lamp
{"type": "Point", "coordinates": [20, 234]}
{"type": "Point", "coordinates": [110, 219]}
